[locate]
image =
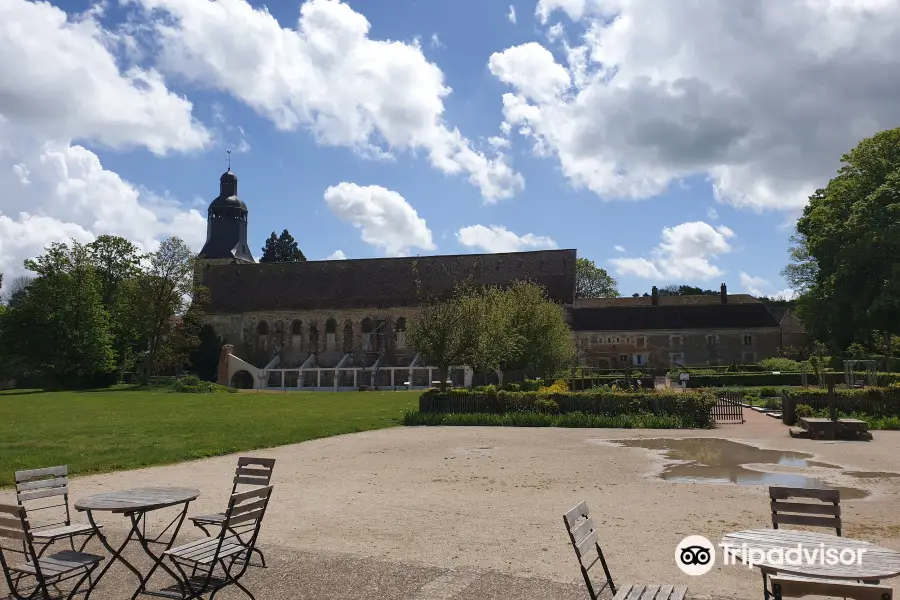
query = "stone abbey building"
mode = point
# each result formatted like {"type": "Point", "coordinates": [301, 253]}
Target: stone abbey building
{"type": "Point", "coordinates": [333, 324]}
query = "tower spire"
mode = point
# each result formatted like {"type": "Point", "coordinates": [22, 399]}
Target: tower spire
{"type": "Point", "coordinates": [229, 159]}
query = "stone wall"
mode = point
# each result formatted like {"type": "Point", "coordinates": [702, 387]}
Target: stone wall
{"type": "Point", "coordinates": [258, 337]}
{"type": "Point", "coordinates": [659, 349]}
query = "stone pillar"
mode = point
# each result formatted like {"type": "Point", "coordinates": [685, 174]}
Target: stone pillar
{"type": "Point", "coordinates": [222, 372]}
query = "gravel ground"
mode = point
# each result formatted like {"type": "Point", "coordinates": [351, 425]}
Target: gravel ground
{"type": "Point", "coordinates": [475, 513]}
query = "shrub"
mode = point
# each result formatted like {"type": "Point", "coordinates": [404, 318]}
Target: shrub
{"type": "Point", "coordinates": [535, 419]}
{"type": "Point", "coordinates": [772, 403]}
{"type": "Point", "coordinates": [804, 410]}
{"type": "Point", "coordinates": [546, 406]}
{"type": "Point", "coordinates": [745, 380]}
{"type": "Point", "coordinates": [191, 384]}
{"type": "Point", "coordinates": [557, 387]}
{"type": "Point", "coordinates": [784, 365]}
{"type": "Point", "coordinates": [691, 408]}
{"type": "Point", "coordinates": [769, 392]}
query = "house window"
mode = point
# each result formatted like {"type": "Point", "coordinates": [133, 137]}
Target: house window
{"type": "Point", "coordinates": [609, 340]}
{"type": "Point", "coordinates": [748, 340]}
{"type": "Point", "coordinates": [618, 340]}
{"type": "Point", "coordinates": [641, 341]}
{"type": "Point", "coordinates": [676, 358]}
{"type": "Point", "coordinates": [623, 358]}
{"type": "Point", "coordinates": [639, 360]}
{"type": "Point", "coordinates": [676, 340]}
{"type": "Point", "coordinates": [712, 340]}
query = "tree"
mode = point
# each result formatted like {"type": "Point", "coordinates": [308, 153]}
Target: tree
{"type": "Point", "coordinates": [441, 332]}
{"type": "Point", "coordinates": [15, 289]}
{"type": "Point", "coordinates": [182, 337]}
{"type": "Point", "coordinates": [57, 328]}
{"type": "Point", "coordinates": [686, 290]}
{"type": "Point", "coordinates": [282, 248]}
{"type": "Point", "coordinates": [168, 285]}
{"type": "Point", "coordinates": [115, 260]}
{"type": "Point", "coordinates": [846, 255]}
{"type": "Point", "coordinates": [541, 339]}
{"type": "Point", "coordinates": [593, 282]}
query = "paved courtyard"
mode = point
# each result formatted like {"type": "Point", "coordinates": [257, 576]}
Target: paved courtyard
{"type": "Point", "coordinates": [476, 513]}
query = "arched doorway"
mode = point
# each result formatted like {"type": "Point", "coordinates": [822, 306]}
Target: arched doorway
{"type": "Point", "coordinates": [242, 380]}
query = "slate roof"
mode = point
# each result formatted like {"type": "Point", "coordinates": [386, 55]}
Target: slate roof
{"type": "Point", "coordinates": [380, 282]}
{"type": "Point", "coordinates": [666, 300]}
{"type": "Point", "coordinates": [779, 312]}
{"type": "Point", "coordinates": [648, 318]}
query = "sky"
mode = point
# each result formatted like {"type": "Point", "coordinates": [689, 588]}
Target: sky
{"type": "Point", "coordinates": [669, 142]}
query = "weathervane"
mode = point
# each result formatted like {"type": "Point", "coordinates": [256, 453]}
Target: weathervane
{"type": "Point", "coordinates": [229, 159]}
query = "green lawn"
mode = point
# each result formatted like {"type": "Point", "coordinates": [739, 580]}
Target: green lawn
{"type": "Point", "coordinates": [106, 430]}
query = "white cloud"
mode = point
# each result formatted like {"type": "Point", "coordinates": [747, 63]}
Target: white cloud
{"type": "Point", "coordinates": [497, 238]}
{"type": "Point", "coordinates": [385, 219]}
{"type": "Point", "coordinates": [666, 90]}
{"type": "Point", "coordinates": [511, 15]}
{"type": "Point", "coordinates": [69, 194]}
{"type": "Point", "coordinates": [336, 255]}
{"type": "Point", "coordinates": [436, 41]}
{"type": "Point", "coordinates": [754, 285]}
{"type": "Point", "coordinates": [326, 75]}
{"type": "Point", "coordinates": [62, 81]}
{"type": "Point", "coordinates": [498, 142]}
{"type": "Point", "coordinates": [618, 248]}
{"type": "Point", "coordinates": [712, 213]}
{"type": "Point", "coordinates": [67, 85]}
{"type": "Point", "coordinates": [683, 255]}
{"type": "Point", "coordinates": [785, 294]}
{"type": "Point", "coordinates": [759, 286]}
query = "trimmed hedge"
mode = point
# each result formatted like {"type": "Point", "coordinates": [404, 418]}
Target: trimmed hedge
{"type": "Point", "coordinates": [692, 408]}
{"type": "Point", "coordinates": [873, 402]}
{"type": "Point", "coordinates": [537, 419]}
{"type": "Point", "coordinates": [745, 380]}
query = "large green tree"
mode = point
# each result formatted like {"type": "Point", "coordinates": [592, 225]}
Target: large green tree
{"type": "Point", "coordinates": [592, 281]}
{"type": "Point", "coordinates": [168, 287]}
{"type": "Point", "coordinates": [58, 329]}
{"type": "Point", "coordinates": [846, 257]}
{"type": "Point", "coordinates": [541, 338]}
{"type": "Point", "coordinates": [281, 248]}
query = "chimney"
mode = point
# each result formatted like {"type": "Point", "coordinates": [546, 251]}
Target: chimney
{"type": "Point", "coordinates": [654, 296]}
{"type": "Point", "coordinates": [724, 294]}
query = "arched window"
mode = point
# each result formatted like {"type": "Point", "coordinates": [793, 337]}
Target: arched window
{"type": "Point", "coordinates": [348, 336]}
{"type": "Point", "coordinates": [296, 327]}
{"type": "Point", "coordinates": [262, 328]}
{"type": "Point", "coordinates": [367, 325]}
{"type": "Point", "coordinates": [313, 337]}
{"type": "Point", "coordinates": [400, 332]}
{"type": "Point", "coordinates": [330, 334]}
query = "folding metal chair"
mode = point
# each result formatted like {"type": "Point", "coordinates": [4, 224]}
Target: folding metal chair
{"type": "Point", "coordinates": [213, 563]}
{"type": "Point", "coordinates": [35, 575]}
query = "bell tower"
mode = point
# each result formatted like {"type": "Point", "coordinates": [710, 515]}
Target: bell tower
{"type": "Point", "coordinates": [226, 224]}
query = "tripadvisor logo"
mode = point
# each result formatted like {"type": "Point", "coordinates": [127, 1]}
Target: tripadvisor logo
{"type": "Point", "coordinates": [695, 555]}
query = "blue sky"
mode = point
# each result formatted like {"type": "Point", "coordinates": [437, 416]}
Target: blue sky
{"type": "Point", "coordinates": [665, 153]}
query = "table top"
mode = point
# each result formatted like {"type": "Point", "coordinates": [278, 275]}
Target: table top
{"type": "Point", "coordinates": [877, 562]}
{"type": "Point", "coordinates": [137, 500]}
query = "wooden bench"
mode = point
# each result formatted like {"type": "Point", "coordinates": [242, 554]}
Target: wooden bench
{"type": "Point", "coordinates": [798, 587]}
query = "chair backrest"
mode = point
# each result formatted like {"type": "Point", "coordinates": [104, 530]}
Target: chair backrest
{"type": "Point", "coordinates": [14, 526]}
{"type": "Point", "coordinates": [825, 512]}
{"type": "Point", "coordinates": [798, 587]}
{"type": "Point", "coordinates": [45, 489]}
{"type": "Point", "coordinates": [245, 511]}
{"type": "Point", "coordinates": [585, 542]}
{"type": "Point", "coordinates": [256, 472]}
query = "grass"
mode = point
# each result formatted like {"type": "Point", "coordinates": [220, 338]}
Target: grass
{"type": "Point", "coordinates": [535, 419]}
{"type": "Point", "coordinates": [126, 428]}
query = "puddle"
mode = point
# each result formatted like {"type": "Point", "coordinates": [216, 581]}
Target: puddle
{"type": "Point", "coordinates": [711, 460]}
{"type": "Point", "coordinates": [871, 474]}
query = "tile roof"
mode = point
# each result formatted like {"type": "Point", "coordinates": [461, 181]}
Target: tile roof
{"type": "Point", "coordinates": [380, 282]}
{"type": "Point", "coordinates": [647, 318]}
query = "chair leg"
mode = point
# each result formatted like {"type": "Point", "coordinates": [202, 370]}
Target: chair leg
{"type": "Point", "coordinates": [87, 575]}
{"type": "Point", "coordinates": [766, 594]}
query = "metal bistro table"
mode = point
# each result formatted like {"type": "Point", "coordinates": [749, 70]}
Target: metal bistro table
{"type": "Point", "coordinates": [877, 563]}
{"type": "Point", "coordinates": [135, 504]}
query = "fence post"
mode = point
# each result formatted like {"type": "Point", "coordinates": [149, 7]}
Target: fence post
{"type": "Point", "coordinates": [788, 414]}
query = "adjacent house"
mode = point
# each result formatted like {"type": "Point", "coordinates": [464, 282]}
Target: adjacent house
{"type": "Point", "coordinates": [663, 331]}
